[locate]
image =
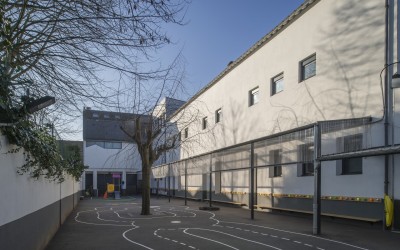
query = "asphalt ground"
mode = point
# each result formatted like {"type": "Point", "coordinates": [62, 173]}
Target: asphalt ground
{"type": "Point", "coordinates": [117, 224]}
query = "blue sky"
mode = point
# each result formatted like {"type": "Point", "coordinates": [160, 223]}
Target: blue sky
{"type": "Point", "coordinates": [219, 31]}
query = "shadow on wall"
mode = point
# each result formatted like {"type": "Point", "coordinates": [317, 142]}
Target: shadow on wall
{"type": "Point", "coordinates": [352, 56]}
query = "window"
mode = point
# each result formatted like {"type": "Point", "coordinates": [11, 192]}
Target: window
{"type": "Point", "coordinates": [106, 116]}
{"type": "Point", "coordinates": [92, 143]}
{"type": "Point", "coordinates": [204, 123]}
{"type": "Point", "coordinates": [305, 156]}
{"type": "Point", "coordinates": [349, 143]}
{"type": "Point", "coordinates": [186, 133]}
{"type": "Point", "coordinates": [113, 145]}
{"type": "Point", "coordinates": [277, 84]}
{"type": "Point", "coordinates": [253, 96]}
{"type": "Point", "coordinates": [95, 115]}
{"type": "Point", "coordinates": [218, 115]}
{"type": "Point", "coordinates": [117, 117]}
{"type": "Point", "coordinates": [105, 144]}
{"type": "Point", "coordinates": [275, 157]}
{"type": "Point", "coordinates": [308, 67]}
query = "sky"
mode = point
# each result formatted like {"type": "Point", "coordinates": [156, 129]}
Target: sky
{"type": "Point", "coordinates": [220, 31]}
{"type": "Point", "coordinates": [217, 32]}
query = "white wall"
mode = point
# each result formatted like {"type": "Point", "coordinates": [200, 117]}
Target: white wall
{"type": "Point", "coordinates": [348, 38]}
{"type": "Point", "coordinates": [100, 158]}
{"type": "Point", "coordinates": [22, 195]}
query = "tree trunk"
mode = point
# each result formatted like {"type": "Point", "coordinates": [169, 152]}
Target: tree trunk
{"type": "Point", "coordinates": [146, 185]}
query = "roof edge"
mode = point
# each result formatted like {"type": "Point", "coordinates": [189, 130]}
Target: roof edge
{"type": "Point", "coordinates": [303, 8]}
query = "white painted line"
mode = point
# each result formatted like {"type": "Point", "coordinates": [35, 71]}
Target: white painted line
{"type": "Point", "coordinates": [274, 236]}
{"type": "Point", "coordinates": [182, 243]}
{"type": "Point", "coordinates": [175, 241]}
{"type": "Point", "coordinates": [166, 239]}
{"type": "Point", "coordinates": [308, 245]}
{"type": "Point", "coordinates": [234, 236]}
{"type": "Point", "coordinates": [306, 235]}
{"type": "Point", "coordinates": [254, 232]}
{"type": "Point", "coordinates": [298, 242]}
{"type": "Point", "coordinates": [320, 248]}
{"type": "Point", "coordinates": [284, 238]}
{"type": "Point", "coordinates": [192, 247]}
{"type": "Point", "coordinates": [126, 238]}
{"type": "Point", "coordinates": [175, 221]}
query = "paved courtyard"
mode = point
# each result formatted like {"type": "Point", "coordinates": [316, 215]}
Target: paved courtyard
{"type": "Point", "coordinates": [117, 224]}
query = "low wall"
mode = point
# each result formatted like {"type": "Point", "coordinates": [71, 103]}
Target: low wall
{"type": "Point", "coordinates": [31, 210]}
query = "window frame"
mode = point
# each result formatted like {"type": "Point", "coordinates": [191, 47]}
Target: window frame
{"type": "Point", "coordinates": [186, 132]}
{"type": "Point", "coordinates": [254, 96]}
{"type": "Point", "coordinates": [218, 115]}
{"type": "Point", "coordinates": [276, 169]}
{"type": "Point", "coordinates": [274, 81]}
{"type": "Point", "coordinates": [344, 166]}
{"type": "Point", "coordinates": [304, 63]}
{"type": "Point", "coordinates": [304, 166]}
{"type": "Point", "coordinates": [204, 122]}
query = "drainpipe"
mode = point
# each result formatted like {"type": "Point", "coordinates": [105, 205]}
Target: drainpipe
{"type": "Point", "coordinates": [387, 93]}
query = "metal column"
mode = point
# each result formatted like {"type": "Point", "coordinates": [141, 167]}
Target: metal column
{"type": "Point", "coordinates": [185, 183]}
{"type": "Point", "coordinates": [169, 182]}
{"type": "Point", "coordinates": [317, 181]}
{"type": "Point", "coordinates": [252, 181]}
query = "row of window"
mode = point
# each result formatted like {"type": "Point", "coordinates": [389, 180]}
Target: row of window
{"type": "Point", "coordinates": [307, 69]}
{"type": "Point", "coordinates": [105, 144]}
{"type": "Point", "coordinates": [106, 116]}
{"type": "Point", "coordinates": [306, 168]}
{"type": "Point", "coordinates": [204, 123]}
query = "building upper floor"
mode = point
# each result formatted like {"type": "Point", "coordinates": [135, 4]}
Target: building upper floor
{"type": "Point", "coordinates": [323, 62]}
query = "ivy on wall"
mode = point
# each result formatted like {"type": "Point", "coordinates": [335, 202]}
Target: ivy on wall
{"type": "Point", "coordinates": [41, 152]}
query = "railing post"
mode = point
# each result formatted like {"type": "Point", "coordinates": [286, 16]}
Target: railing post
{"type": "Point", "coordinates": [210, 184]}
{"type": "Point", "coordinates": [169, 182]}
{"type": "Point", "coordinates": [317, 181]}
{"type": "Point", "coordinates": [186, 182]}
{"type": "Point", "coordinates": [252, 180]}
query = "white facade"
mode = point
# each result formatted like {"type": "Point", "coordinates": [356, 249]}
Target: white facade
{"type": "Point", "coordinates": [110, 156]}
{"type": "Point", "coordinates": [346, 41]}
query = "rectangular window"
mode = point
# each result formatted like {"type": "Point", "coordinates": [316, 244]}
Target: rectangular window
{"type": "Point", "coordinates": [204, 123]}
{"type": "Point", "coordinates": [253, 96]}
{"type": "Point", "coordinates": [117, 117]}
{"type": "Point", "coordinates": [277, 84]}
{"type": "Point", "coordinates": [275, 157]}
{"type": "Point", "coordinates": [186, 133]}
{"type": "Point", "coordinates": [95, 115]}
{"type": "Point", "coordinates": [308, 67]}
{"type": "Point", "coordinates": [112, 145]}
{"type": "Point", "coordinates": [106, 116]}
{"type": "Point", "coordinates": [349, 143]}
{"type": "Point", "coordinates": [305, 157]}
{"type": "Point", "coordinates": [218, 115]}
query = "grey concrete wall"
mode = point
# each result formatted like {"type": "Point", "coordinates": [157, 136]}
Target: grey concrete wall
{"type": "Point", "coordinates": [35, 230]}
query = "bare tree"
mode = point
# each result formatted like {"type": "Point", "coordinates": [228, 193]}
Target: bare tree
{"type": "Point", "coordinates": [61, 48]}
{"type": "Point", "coordinates": [152, 130]}
{"type": "Point", "coordinates": [67, 49]}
